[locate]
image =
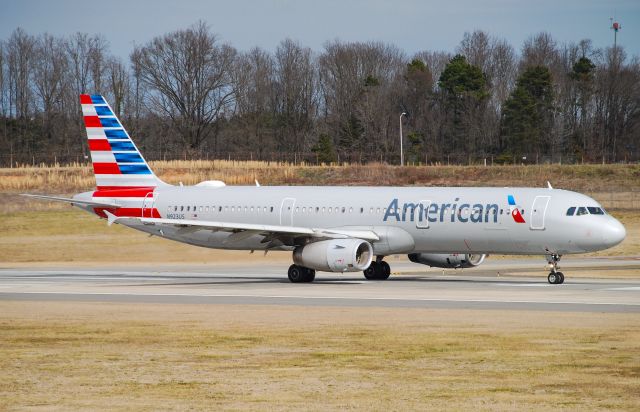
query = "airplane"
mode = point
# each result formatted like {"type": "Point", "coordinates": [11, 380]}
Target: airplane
{"type": "Point", "coordinates": [338, 229]}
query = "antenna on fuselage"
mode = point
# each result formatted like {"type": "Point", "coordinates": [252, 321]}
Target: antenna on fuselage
{"type": "Point", "coordinates": [549, 185]}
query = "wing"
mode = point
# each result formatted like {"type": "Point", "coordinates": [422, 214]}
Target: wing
{"type": "Point", "coordinates": [242, 231]}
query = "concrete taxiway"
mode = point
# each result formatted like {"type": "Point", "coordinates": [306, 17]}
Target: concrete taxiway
{"type": "Point", "coordinates": [481, 288]}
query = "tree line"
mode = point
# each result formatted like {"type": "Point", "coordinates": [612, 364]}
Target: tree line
{"type": "Point", "coordinates": [188, 94]}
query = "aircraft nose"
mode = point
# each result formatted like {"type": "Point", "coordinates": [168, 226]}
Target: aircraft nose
{"type": "Point", "coordinates": [613, 233]}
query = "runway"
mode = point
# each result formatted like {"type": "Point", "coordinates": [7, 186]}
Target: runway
{"type": "Point", "coordinates": [268, 285]}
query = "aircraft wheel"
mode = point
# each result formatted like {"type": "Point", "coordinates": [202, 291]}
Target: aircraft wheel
{"type": "Point", "coordinates": [310, 275]}
{"type": "Point", "coordinates": [296, 274]}
{"type": "Point", "coordinates": [560, 278]}
{"type": "Point", "coordinates": [553, 278]}
{"type": "Point", "coordinates": [385, 271]}
{"type": "Point", "coordinates": [371, 273]}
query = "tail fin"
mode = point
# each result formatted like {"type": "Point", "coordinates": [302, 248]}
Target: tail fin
{"type": "Point", "coordinates": [117, 162]}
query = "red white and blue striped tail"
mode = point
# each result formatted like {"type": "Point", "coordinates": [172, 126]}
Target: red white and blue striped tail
{"type": "Point", "coordinates": [117, 162]}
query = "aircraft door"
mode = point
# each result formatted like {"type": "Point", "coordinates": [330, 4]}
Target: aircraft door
{"type": "Point", "coordinates": [420, 215]}
{"type": "Point", "coordinates": [147, 205]}
{"type": "Point", "coordinates": [538, 212]}
{"type": "Point", "coordinates": [286, 211]}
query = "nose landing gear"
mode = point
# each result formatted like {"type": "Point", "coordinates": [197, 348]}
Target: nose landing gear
{"type": "Point", "coordinates": [555, 277]}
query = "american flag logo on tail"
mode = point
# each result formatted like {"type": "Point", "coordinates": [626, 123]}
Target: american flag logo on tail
{"type": "Point", "coordinates": [117, 163]}
{"type": "Point", "coordinates": [120, 170]}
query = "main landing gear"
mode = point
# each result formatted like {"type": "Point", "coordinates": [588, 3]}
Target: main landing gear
{"type": "Point", "coordinates": [300, 274]}
{"type": "Point", "coordinates": [555, 277]}
{"type": "Point", "coordinates": [378, 270]}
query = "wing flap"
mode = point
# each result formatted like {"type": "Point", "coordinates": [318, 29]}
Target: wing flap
{"type": "Point", "coordinates": [250, 229]}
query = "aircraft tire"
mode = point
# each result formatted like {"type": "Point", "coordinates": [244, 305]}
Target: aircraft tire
{"type": "Point", "coordinates": [296, 274]}
{"type": "Point", "coordinates": [552, 278]}
{"type": "Point", "coordinates": [385, 271]}
{"type": "Point", "coordinates": [371, 273]}
{"type": "Point", "coordinates": [310, 275]}
{"type": "Point", "coordinates": [560, 278]}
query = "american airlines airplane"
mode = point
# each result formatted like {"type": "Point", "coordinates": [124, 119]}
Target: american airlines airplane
{"type": "Point", "coordinates": [338, 229]}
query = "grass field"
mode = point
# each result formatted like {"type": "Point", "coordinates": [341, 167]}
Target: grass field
{"type": "Point", "coordinates": [586, 178]}
{"type": "Point", "coordinates": [95, 356]}
{"type": "Point", "coordinates": [71, 356]}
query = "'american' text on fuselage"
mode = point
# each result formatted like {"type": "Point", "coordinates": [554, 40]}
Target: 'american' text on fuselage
{"type": "Point", "coordinates": [464, 213]}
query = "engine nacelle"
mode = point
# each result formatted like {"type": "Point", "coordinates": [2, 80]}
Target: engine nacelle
{"type": "Point", "coordinates": [447, 261]}
{"type": "Point", "coordinates": [336, 255]}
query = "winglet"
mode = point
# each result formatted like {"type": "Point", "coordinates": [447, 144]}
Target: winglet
{"type": "Point", "coordinates": [111, 218]}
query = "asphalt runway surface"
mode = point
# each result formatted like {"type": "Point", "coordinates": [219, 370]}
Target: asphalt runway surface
{"type": "Point", "coordinates": [485, 287]}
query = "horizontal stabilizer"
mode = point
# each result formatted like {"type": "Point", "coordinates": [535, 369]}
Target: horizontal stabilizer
{"type": "Point", "coordinates": [72, 201]}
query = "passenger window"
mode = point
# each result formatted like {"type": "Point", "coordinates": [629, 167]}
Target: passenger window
{"type": "Point", "coordinates": [330, 210]}
{"type": "Point", "coordinates": [201, 208]}
{"type": "Point", "coordinates": [582, 211]}
{"type": "Point", "coordinates": [188, 208]}
{"type": "Point", "coordinates": [182, 208]}
{"type": "Point", "coordinates": [595, 211]}
{"type": "Point", "coordinates": [219, 208]}
{"type": "Point", "coordinates": [175, 208]}
{"type": "Point", "coordinates": [571, 211]}
{"type": "Point", "coordinates": [194, 208]}
{"type": "Point", "coordinates": [362, 210]}
{"type": "Point", "coordinates": [343, 209]}
{"type": "Point", "coordinates": [271, 209]}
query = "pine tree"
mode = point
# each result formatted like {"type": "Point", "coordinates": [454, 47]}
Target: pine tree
{"type": "Point", "coordinates": [528, 113]}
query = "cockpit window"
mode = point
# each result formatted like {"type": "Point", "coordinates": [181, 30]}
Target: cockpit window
{"type": "Point", "coordinates": [582, 211]}
{"type": "Point", "coordinates": [595, 210]}
{"type": "Point", "coordinates": [571, 211]}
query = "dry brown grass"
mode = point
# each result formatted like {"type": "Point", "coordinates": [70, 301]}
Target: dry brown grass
{"type": "Point", "coordinates": [592, 178]}
{"type": "Point", "coordinates": [94, 356]}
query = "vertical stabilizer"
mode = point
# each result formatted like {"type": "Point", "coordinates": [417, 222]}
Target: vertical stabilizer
{"type": "Point", "coordinates": [117, 162]}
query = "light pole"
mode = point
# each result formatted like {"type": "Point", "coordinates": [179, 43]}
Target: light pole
{"type": "Point", "coordinates": [401, 150]}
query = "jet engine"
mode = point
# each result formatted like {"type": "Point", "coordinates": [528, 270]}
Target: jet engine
{"type": "Point", "coordinates": [447, 261]}
{"type": "Point", "coordinates": [336, 255]}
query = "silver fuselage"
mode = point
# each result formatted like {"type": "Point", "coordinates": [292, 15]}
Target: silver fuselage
{"type": "Point", "coordinates": [407, 219]}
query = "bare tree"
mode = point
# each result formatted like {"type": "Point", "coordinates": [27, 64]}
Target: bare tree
{"type": "Point", "coordinates": [295, 94]}
{"type": "Point", "coordinates": [117, 77]}
{"type": "Point", "coordinates": [254, 84]}
{"type": "Point", "coordinates": [188, 72]}
{"type": "Point", "coordinates": [20, 54]}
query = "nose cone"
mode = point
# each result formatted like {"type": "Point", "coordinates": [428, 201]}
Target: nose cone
{"type": "Point", "coordinates": [613, 233]}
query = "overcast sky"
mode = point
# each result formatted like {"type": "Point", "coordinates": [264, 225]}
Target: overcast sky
{"type": "Point", "coordinates": [413, 25]}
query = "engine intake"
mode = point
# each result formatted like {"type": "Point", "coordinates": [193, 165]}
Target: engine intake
{"type": "Point", "coordinates": [336, 255]}
{"type": "Point", "coordinates": [447, 261]}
